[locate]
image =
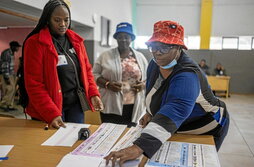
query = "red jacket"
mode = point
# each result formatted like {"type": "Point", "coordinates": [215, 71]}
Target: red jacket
{"type": "Point", "coordinates": [41, 78]}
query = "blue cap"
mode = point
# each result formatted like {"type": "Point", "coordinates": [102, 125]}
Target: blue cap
{"type": "Point", "coordinates": [124, 27]}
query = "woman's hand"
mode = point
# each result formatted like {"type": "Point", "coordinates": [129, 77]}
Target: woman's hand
{"type": "Point", "coordinates": [138, 87]}
{"type": "Point", "coordinates": [145, 120]}
{"type": "Point", "coordinates": [115, 86]}
{"type": "Point", "coordinates": [57, 122]}
{"type": "Point", "coordinates": [129, 153]}
{"type": "Point", "coordinates": [97, 103]}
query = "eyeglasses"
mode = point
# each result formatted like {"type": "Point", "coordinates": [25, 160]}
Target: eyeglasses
{"type": "Point", "coordinates": [164, 49]}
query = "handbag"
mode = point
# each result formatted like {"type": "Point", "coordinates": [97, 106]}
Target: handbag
{"type": "Point", "coordinates": [80, 91]}
{"type": "Point", "coordinates": [83, 100]}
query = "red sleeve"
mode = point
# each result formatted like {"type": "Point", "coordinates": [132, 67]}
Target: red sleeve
{"type": "Point", "coordinates": [35, 84]}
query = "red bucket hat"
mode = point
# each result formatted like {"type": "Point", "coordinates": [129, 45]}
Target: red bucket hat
{"type": "Point", "coordinates": [168, 32]}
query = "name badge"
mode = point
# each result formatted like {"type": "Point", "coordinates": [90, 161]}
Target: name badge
{"type": "Point", "coordinates": [62, 60]}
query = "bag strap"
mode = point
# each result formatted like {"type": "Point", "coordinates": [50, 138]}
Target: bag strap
{"type": "Point", "coordinates": [75, 67]}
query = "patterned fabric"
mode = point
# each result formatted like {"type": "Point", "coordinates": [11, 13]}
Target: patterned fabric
{"type": "Point", "coordinates": [131, 74]}
{"type": "Point", "coordinates": [168, 32]}
{"type": "Point", "coordinates": [108, 66]}
{"type": "Point", "coordinates": [182, 103]}
{"type": "Point", "coordinates": [7, 63]}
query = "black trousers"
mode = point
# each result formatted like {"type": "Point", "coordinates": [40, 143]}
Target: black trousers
{"type": "Point", "coordinates": [124, 119]}
{"type": "Point", "coordinates": [220, 133]}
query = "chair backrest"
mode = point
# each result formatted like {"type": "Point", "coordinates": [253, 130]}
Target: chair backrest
{"type": "Point", "coordinates": [93, 118]}
{"type": "Point", "coordinates": [9, 116]}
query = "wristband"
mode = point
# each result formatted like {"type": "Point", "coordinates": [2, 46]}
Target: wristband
{"type": "Point", "coordinates": [106, 84]}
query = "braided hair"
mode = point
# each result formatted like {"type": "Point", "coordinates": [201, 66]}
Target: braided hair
{"type": "Point", "coordinates": [43, 21]}
{"type": "Point", "coordinates": [46, 14]}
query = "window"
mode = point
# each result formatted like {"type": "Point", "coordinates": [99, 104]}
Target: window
{"type": "Point", "coordinates": [245, 42]}
{"type": "Point", "coordinates": [230, 42]}
{"type": "Point", "coordinates": [193, 42]}
{"type": "Point", "coordinates": [252, 43]}
{"type": "Point", "coordinates": [216, 43]}
{"type": "Point", "coordinates": [139, 42]}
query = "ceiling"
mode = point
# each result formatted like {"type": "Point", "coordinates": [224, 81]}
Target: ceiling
{"type": "Point", "coordinates": [8, 20]}
{"type": "Point", "coordinates": [15, 14]}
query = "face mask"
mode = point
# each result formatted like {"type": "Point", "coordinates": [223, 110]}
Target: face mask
{"type": "Point", "coordinates": [170, 65]}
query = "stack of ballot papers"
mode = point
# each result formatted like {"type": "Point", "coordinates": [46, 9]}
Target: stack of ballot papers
{"type": "Point", "coordinates": [178, 154]}
{"type": "Point", "coordinates": [171, 154]}
{"type": "Point", "coordinates": [92, 151]}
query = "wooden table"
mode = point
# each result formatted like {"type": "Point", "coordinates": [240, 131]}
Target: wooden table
{"type": "Point", "coordinates": [219, 83]}
{"type": "Point", "coordinates": [27, 137]}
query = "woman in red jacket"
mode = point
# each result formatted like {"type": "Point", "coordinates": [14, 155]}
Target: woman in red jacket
{"type": "Point", "coordinates": [55, 66]}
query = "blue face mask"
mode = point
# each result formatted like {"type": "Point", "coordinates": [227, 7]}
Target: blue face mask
{"type": "Point", "coordinates": [170, 65]}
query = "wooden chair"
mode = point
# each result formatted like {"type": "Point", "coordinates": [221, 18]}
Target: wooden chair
{"type": "Point", "coordinates": [93, 118]}
{"type": "Point", "coordinates": [9, 116]}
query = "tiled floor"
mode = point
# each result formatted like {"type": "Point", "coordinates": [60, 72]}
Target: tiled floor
{"type": "Point", "coordinates": [238, 147]}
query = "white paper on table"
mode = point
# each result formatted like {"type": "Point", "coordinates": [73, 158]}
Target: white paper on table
{"type": "Point", "coordinates": [127, 140]}
{"type": "Point", "coordinates": [70, 160]}
{"type": "Point", "coordinates": [132, 163]}
{"type": "Point", "coordinates": [65, 136]}
{"type": "Point", "coordinates": [5, 149]}
{"type": "Point", "coordinates": [101, 141]}
{"type": "Point", "coordinates": [185, 155]}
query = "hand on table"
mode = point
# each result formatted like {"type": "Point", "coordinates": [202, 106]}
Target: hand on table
{"type": "Point", "coordinates": [57, 123]}
{"type": "Point", "coordinates": [129, 153]}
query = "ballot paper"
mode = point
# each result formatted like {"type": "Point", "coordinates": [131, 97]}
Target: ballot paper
{"type": "Point", "coordinates": [128, 139]}
{"type": "Point", "coordinates": [65, 136]}
{"type": "Point", "coordinates": [4, 150]}
{"type": "Point", "coordinates": [178, 154]}
{"type": "Point", "coordinates": [101, 141]}
{"type": "Point", "coordinates": [79, 161]}
{"type": "Point", "coordinates": [132, 163]}
{"type": "Point", "coordinates": [92, 151]}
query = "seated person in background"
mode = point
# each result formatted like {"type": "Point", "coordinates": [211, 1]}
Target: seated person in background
{"type": "Point", "coordinates": [204, 67]}
{"type": "Point", "coordinates": [120, 74]}
{"type": "Point", "coordinates": [219, 70]}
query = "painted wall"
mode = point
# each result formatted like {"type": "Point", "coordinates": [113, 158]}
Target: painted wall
{"type": "Point", "coordinates": [233, 17]}
{"type": "Point", "coordinates": [88, 15]}
{"type": "Point", "coordinates": [230, 17]}
{"type": "Point", "coordinates": [186, 12]}
{"type": "Point", "coordinates": [10, 34]}
{"type": "Point", "coordinates": [88, 12]}
{"type": "Point", "coordinates": [238, 64]}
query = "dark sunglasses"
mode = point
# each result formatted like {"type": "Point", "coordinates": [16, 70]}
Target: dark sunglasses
{"type": "Point", "coordinates": [164, 49]}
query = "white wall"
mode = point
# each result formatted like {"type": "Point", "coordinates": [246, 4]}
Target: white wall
{"type": "Point", "coordinates": [233, 18]}
{"type": "Point", "coordinates": [230, 17]}
{"type": "Point", "coordinates": [83, 12]}
{"type": "Point", "coordinates": [185, 12]}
